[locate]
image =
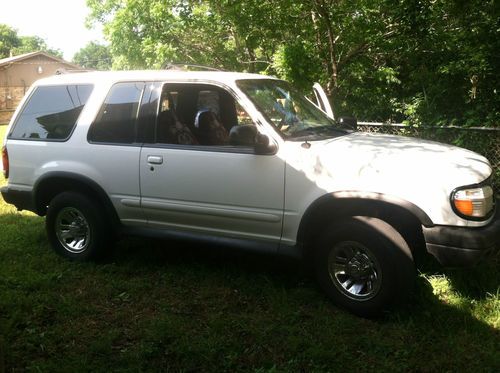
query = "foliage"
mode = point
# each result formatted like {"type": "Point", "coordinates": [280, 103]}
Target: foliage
{"type": "Point", "coordinates": [423, 61]}
{"type": "Point", "coordinates": [33, 44]}
{"type": "Point", "coordinates": [94, 56]}
{"type": "Point", "coordinates": [12, 43]}
{"type": "Point", "coordinates": [449, 66]}
{"type": "Point", "coordinates": [8, 40]}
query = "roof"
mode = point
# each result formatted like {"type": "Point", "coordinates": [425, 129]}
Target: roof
{"type": "Point", "coordinates": [150, 75]}
{"type": "Point", "coordinates": [22, 57]}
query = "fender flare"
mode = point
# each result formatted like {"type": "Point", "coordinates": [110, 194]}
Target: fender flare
{"type": "Point", "coordinates": [361, 198]}
{"type": "Point", "coordinates": [82, 183]}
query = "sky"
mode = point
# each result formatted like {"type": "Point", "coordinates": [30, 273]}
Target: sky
{"type": "Point", "coordinates": [60, 22]}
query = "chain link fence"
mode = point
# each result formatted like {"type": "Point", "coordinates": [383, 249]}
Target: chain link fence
{"type": "Point", "coordinates": [485, 141]}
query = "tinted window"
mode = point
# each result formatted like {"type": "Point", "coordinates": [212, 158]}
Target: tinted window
{"type": "Point", "coordinates": [116, 121]}
{"type": "Point", "coordinates": [51, 112]}
{"type": "Point", "coordinates": [198, 114]}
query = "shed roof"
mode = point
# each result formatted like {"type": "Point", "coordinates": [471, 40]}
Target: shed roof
{"type": "Point", "coordinates": [22, 57]}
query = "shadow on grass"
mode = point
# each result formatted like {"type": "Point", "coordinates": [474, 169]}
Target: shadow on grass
{"type": "Point", "coordinates": [477, 282]}
{"type": "Point", "coordinates": [420, 335]}
{"type": "Point", "coordinates": [169, 305]}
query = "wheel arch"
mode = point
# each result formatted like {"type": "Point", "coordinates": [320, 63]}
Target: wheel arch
{"type": "Point", "coordinates": [404, 216]}
{"type": "Point", "coordinates": [54, 183]}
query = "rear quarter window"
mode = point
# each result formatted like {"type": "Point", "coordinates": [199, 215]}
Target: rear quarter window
{"type": "Point", "coordinates": [116, 121]}
{"type": "Point", "coordinates": [51, 112]}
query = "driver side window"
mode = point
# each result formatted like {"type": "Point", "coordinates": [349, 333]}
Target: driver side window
{"type": "Point", "coordinates": [243, 117]}
{"type": "Point", "coordinates": [201, 115]}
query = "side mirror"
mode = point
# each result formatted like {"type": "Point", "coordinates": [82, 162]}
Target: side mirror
{"type": "Point", "coordinates": [348, 122]}
{"type": "Point", "coordinates": [247, 135]}
{"type": "Point", "coordinates": [244, 135]}
{"type": "Point", "coordinates": [264, 146]}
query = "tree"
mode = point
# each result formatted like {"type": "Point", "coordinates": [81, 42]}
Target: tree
{"type": "Point", "coordinates": [301, 41]}
{"type": "Point", "coordinates": [8, 40]}
{"type": "Point", "coordinates": [445, 53]}
{"type": "Point", "coordinates": [32, 44]}
{"type": "Point", "coordinates": [423, 61]}
{"type": "Point", "coordinates": [145, 34]}
{"type": "Point", "coordinates": [94, 56]}
{"type": "Point", "coordinates": [12, 43]}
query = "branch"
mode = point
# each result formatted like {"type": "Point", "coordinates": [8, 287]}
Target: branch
{"type": "Point", "coordinates": [352, 53]}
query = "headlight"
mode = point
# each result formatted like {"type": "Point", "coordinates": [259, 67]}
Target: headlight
{"type": "Point", "coordinates": [475, 202]}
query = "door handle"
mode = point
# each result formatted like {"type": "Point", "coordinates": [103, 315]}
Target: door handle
{"type": "Point", "coordinates": [155, 159]}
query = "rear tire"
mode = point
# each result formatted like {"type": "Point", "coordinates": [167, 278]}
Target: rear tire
{"type": "Point", "coordinates": [76, 227]}
{"type": "Point", "coordinates": [364, 265]}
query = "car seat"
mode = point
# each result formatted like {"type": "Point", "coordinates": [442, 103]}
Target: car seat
{"type": "Point", "coordinates": [209, 129]}
{"type": "Point", "coordinates": [171, 131]}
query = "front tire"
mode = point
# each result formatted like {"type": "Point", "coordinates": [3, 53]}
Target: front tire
{"type": "Point", "coordinates": [76, 227]}
{"type": "Point", "coordinates": [364, 265]}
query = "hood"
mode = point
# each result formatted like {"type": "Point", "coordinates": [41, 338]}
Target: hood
{"type": "Point", "coordinates": [387, 164]}
{"type": "Point", "coordinates": [408, 157]}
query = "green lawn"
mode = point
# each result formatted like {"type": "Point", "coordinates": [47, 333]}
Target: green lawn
{"type": "Point", "coordinates": [166, 306]}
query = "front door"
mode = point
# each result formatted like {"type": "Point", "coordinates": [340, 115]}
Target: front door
{"type": "Point", "coordinates": [193, 178]}
{"type": "Point", "coordinates": [322, 100]}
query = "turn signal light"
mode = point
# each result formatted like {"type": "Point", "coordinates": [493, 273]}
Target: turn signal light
{"type": "Point", "coordinates": [464, 206]}
{"type": "Point", "coordinates": [474, 202]}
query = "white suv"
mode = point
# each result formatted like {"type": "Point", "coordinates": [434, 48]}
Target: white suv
{"type": "Point", "coordinates": [243, 160]}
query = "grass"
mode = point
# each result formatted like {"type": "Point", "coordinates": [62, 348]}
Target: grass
{"type": "Point", "coordinates": [167, 306]}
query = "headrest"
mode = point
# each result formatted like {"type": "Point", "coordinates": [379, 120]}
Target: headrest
{"type": "Point", "coordinates": [200, 116]}
{"type": "Point", "coordinates": [167, 116]}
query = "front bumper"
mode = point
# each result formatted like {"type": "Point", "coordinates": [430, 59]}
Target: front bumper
{"type": "Point", "coordinates": [463, 246]}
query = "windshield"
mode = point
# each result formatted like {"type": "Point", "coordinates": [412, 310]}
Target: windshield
{"type": "Point", "coordinates": [293, 115]}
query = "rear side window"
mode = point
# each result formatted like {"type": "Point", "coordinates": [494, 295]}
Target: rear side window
{"type": "Point", "coordinates": [51, 112]}
{"type": "Point", "coordinates": [116, 121]}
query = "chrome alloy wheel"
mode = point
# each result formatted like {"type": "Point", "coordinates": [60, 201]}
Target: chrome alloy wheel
{"type": "Point", "coordinates": [72, 230]}
{"type": "Point", "coordinates": [354, 270]}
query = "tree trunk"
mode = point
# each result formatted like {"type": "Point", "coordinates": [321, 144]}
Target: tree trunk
{"type": "Point", "coordinates": [332, 63]}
